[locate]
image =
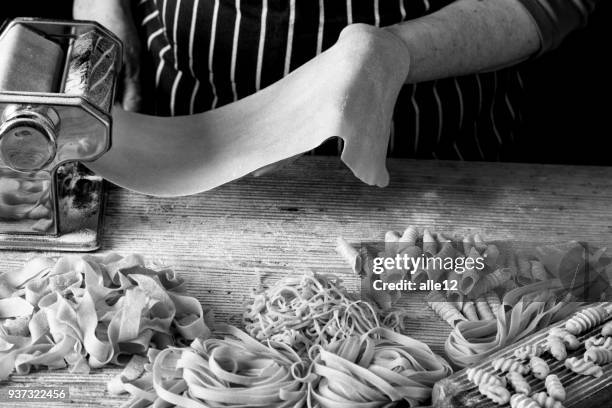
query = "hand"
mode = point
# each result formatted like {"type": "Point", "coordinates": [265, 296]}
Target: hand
{"type": "Point", "coordinates": [349, 91]}
{"type": "Point", "coordinates": [376, 64]}
{"type": "Point", "coordinates": [116, 16]}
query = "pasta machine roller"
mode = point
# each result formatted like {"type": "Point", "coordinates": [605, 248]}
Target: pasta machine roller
{"type": "Point", "coordinates": [57, 84]}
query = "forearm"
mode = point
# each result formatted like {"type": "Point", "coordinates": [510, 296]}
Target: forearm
{"type": "Point", "coordinates": [468, 36]}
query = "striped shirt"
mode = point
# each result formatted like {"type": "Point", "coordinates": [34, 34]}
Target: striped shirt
{"type": "Point", "coordinates": [208, 53]}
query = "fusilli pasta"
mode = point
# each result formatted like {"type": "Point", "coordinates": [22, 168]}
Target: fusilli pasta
{"type": "Point", "coordinates": [522, 401]}
{"type": "Point", "coordinates": [546, 401]}
{"type": "Point", "coordinates": [554, 387]}
{"type": "Point", "coordinates": [528, 350]}
{"type": "Point", "coordinates": [606, 330]}
{"type": "Point", "coordinates": [585, 319]}
{"type": "Point", "coordinates": [508, 364]}
{"type": "Point", "coordinates": [556, 347]}
{"type": "Point", "coordinates": [479, 376]}
{"type": "Point", "coordinates": [492, 280]}
{"type": "Point", "coordinates": [484, 311]}
{"type": "Point", "coordinates": [539, 367]}
{"type": "Point", "coordinates": [598, 355]}
{"type": "Point", "coordinates": [598, 341]}
{"type": "Point", "coordinates": [571, 342]}
{"type": "Point", "coordinates": [469, 310]}
{"type": "Point", "coordinates": [518, 382]}
{"type": "Point", "coordinates": [445, 309]}
{"type": "Point", "coordinates": [583, 367]}
{"type": "Point", "coordinates": [496, 393]}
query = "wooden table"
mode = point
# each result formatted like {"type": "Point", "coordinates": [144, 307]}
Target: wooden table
{"type": "Point", "coordinates": [223, 240]}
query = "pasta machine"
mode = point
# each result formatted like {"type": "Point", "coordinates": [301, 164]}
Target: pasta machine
{"type": "Point", "coordinates": [57, 84]}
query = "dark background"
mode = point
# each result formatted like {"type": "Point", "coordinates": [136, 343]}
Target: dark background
{"type": "Point", "coordinates": [567, 118]}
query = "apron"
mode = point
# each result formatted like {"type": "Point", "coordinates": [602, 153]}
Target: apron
{"type": "Point", "coordinates": [208, 53]}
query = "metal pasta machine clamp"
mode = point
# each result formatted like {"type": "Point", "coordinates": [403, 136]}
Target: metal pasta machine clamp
{"type": "Point", "coordinates": [57, 84]}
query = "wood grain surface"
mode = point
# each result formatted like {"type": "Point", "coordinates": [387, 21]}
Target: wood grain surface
{"type": "Point", "coordinates": [223, 241]}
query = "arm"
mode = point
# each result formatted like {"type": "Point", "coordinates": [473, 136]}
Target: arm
{"type": "Point", "coordinates": [483, 35]}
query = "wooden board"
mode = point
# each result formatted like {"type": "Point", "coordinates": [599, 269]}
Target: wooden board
{"type": "Point", "coordinates": [457, 391]}
{"type": "Point", "coordinates": [273, 226]}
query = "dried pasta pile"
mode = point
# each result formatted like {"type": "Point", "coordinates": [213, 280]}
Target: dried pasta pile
{"type": "Point", "coordinates": [86, 312]}
{"type": "Point", "coordinates": [530, 308]}
{"type": "Point", "coordinates": [303, 311]}
{"type": "Point", "coordinates": [512, 296]}
{"type": "Point", "coordinates": [377, 369]}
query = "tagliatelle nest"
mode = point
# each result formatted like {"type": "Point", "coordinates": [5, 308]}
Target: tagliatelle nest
{"type": "Point", "coordinates": [380, 368]}
{"type": "Point", "coordinates": [307, 310]}
{"type": "Point", "coordinates": [85, 312]}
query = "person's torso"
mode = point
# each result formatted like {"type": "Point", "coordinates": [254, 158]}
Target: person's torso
{"type": "Point", "coordinates": [208, 53]}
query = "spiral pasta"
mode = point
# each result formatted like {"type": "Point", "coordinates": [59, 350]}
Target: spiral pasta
{"type": "Point", "coordinates": [522, 401]}
{"type": "Point", "coordinates": [527, 351]}
{"type": "Point", "coordinates": [445, 309]}
{"type": "Point", "coordinates": [583, 367]}
{"type": "Point", "coordinates": [484, 311]}
{"type": "Point", "coordinates": [496, 393]}
{"type": "Point", "coordinates": [508, 364]}
{"type": "Point", "coordinates": [606, 330]}
{"type": "Point", "coordinates": [546, 401]}
{"type": "Point", "coordinates": [492, 280]}
{"type": "Point", "coordinates": [469, 311]}
{"type": "Point", "coordinates": [518, 382]}
{"type": "Point", "coordinates": [539, 367]}
{"type": "Point", "coordinates": [554, 387]}
{"type": "Point", "coordinates": [598, 355]}
{"type": "Point", "coordinates": [585, 319]}
{"type": "Point", "coordinates": [479, 376]}
{"type": "Point", "coordinates": [571, 342]}
{"type": "Point", "coordinates": [556, 347]}
{"type": "Point", "coordinates": [598, 341]}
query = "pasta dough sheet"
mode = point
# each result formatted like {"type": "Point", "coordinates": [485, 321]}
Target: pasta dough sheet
{"type": "Point", "coordinates": [327, 97]}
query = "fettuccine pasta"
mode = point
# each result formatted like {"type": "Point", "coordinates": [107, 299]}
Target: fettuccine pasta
{"type": "Point", "coordinates": [86, 312]}
{"type": "Point", "coordinates": [377, 369]}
